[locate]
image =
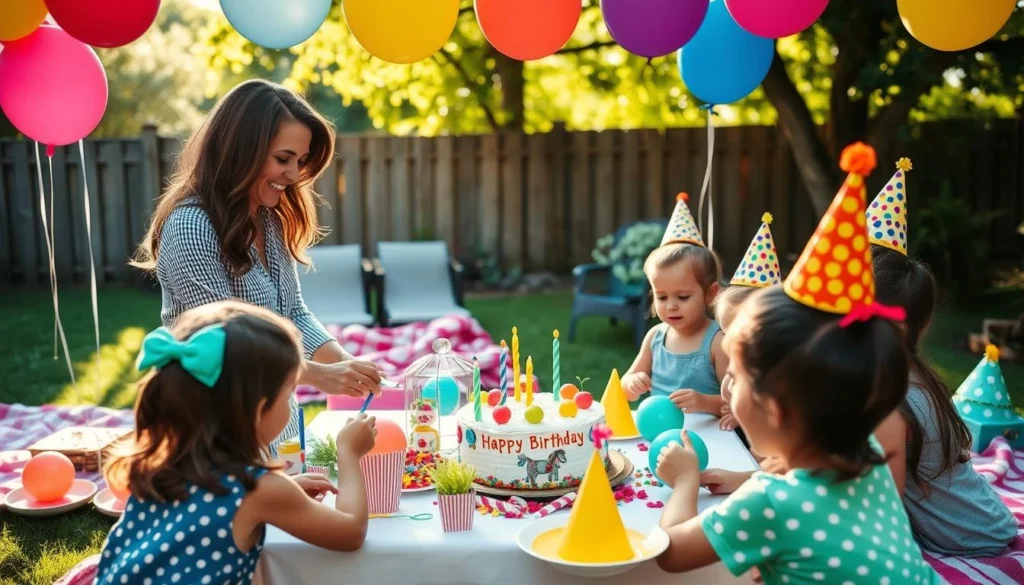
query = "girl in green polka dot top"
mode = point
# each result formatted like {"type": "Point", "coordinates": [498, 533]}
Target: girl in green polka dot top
{"type": "Point", "coordinates": [809, 392]}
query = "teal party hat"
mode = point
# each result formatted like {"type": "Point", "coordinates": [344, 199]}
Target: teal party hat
{"type": "Point", "coordinates": [983, 396]}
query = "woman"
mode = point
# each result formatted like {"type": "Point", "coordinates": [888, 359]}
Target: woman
{"type": "Point", "coordinates": [238, 215]}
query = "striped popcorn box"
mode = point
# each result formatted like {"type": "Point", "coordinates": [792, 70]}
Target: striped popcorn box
{"type": "Point", "coordinates": [457, 511]}
{"type": "Point", "coordinates": [382, 476]}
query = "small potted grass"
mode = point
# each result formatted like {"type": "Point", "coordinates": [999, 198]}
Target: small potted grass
{"type": "Point", "coordinates": [456, 496]}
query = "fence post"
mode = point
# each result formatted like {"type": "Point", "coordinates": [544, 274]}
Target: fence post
{"type": "Point", "coordinates": [151, 186]}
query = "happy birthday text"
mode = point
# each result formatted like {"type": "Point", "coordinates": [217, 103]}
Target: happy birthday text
{"type": "Point", "coordinates": [553, 441]}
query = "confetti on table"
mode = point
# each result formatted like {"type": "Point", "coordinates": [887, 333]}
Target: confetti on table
{"type": "Point", "coordinates": [655, 504]}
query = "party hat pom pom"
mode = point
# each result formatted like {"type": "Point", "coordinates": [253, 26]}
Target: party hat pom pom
{"type": "Point", "coordinates": [601, 434]}
{"type": "Point", "coordinates": [683, 197]}
{"type": "Point", "coordinates": [904, 164]}
{"type": "Point", "coordinates": [766, 218]}
{"type": "Point", "coordinates": [992, 353]}
{"type": "Point", "coordinates": [858, 158]}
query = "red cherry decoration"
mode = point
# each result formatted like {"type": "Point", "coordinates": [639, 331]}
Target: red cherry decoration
{"type": "Point", "coordinates": [502, 414]}
{"type": "Point", "coordinates": [423, 444]}
{"type": "Point", "coordinates": [493, 397]}
{"type": "Point", "coordinates": [583, 400]}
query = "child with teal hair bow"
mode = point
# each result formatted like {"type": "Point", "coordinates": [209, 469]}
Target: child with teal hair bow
{"type": "Point", "coordinates": [202, 490]}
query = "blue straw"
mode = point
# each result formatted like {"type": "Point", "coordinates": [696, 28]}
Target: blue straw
{"type": "Point", "coordinates": [369, 397]}
{"type": "Point", "coordinates": [302, 437]}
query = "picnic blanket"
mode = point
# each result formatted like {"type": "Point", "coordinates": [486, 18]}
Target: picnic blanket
{"type": "Point", "coordinates": [395, 349]}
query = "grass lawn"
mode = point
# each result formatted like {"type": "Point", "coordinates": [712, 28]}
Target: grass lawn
{"type": "Point", "coordinates": [38, 551]}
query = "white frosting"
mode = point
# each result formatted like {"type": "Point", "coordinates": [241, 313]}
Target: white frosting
{"type": "Point", "coordinates": [506, 455]}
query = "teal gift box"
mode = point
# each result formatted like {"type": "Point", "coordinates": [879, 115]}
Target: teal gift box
{"type": "Point", "coordinates": [985, 406]}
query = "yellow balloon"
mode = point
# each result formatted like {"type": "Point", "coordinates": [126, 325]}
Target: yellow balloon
{"type": "Point", "coordinates": [401, 31]}
{"type": "Point", "coordinates": [18, 18]}
{"type": "Point", "coordinates": [954, 25]}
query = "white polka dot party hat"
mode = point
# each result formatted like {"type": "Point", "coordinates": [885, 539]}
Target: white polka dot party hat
{"type": "Point", "coordinates": [681, 227]}
{"type": "Point", "coordinates": [760, 265]}
{"type": "Point", "coordinates": [887, 214]}
{"type": "Point", "coordinates": [983, 396]}
{"type": "Point", "coordinates": [833, 274]}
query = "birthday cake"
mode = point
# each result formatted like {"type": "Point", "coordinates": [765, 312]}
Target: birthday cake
{"type": "Point", "coordinates": [544, 446]}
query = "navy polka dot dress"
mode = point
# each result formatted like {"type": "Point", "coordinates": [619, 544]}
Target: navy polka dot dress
{"type": "Point", "coordinates": [187, 542]}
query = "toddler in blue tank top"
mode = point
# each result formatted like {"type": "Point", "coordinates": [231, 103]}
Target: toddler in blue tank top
{"type": "Point", "coordinates": [682, 357]}
{"type": "Point", "coordinates": [201, 490]}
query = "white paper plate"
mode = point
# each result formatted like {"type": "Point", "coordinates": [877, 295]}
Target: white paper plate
{"type": "Point", "coordinates": [19, 502]}
{"type": "Point", "coordinates": [107, 503]}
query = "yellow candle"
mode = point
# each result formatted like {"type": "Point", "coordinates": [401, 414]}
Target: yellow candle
{"type": "Point", "coordinates": [529, 381]}
{"type": "Point", "coordinates": [515, 363]}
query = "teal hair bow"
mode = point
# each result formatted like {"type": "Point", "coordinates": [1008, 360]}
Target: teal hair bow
{"type": "Point", "coordinates": [201, 355]}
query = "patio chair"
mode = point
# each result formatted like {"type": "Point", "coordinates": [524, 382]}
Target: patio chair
{"type": "Point", "coordinates": [417, 281]}
{"type": "Point", "coordinates": [337, 287]}
{"type": "Point", "coordinates": [598, 292]}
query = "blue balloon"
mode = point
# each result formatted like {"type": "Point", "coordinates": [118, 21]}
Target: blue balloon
{"type": "Point", "coordinates": [673, 436]}
{"type": "Point", "coordinates": [449, 394]}
{"type": "Point", "coordinates": [723, 63]}
{"type": "Point", "coordinates": [656, 415]}
{"type": "Point", "coordinates": [275, 24]}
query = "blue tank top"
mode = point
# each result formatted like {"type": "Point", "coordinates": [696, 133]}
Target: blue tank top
{"type": "Point", "coordinates": [673, 371]}
{"type": "Point", "coordinates": [186, 542]}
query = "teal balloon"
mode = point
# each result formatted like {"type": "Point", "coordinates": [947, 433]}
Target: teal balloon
{"type": "Point", "coordinates": [276, 24]}
{"type": "Point", "coordinates": [449, 394]}
{"type": "Point", "coordinates": [672, 436]}
{"type": "Point", "coordinates": [656, 415]}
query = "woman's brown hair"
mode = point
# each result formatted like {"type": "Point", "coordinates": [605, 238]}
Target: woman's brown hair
{"type": "Point", "coordinates": [220, 162]}
{"type": "Point", "coordinates": [838, 382]}
{"type": "Point", "coordinates": [189, 434]}
{"type": "Point", "coordinates": [906, 282]}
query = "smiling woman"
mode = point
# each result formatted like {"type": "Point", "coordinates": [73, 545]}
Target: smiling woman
{"type": "Point", "coordinates": [239, 214]}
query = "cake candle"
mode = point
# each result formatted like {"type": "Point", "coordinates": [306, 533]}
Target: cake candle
{"type": "Point", "coordinates": [515, 363]}
{"type": "Point", "coordinates": [477, 411]}
{"type": "Point", "coordinates": [529, 381]}
{"type": "Point", "coordinates": [555, 366]}
{"type": "Point", "coordinates": [503, 371]}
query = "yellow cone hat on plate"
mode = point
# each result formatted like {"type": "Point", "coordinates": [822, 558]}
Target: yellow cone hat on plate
{"type": "Point", "coordinates": [681, 227]}
{"type": "Point", "coordinates": [760, 265]}
{"type": "Point", "coordinates": [595, 532]}
{"type": "Point", "coordinates": [616, 409]}
{"type": "Point", "coordinates": [887, 214]}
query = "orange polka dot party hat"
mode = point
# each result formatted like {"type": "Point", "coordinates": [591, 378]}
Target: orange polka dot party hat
{"type": "Point", "coordinates": [681, 227]}
{"type": "Point", "coordinates": [834, 274]}
{"type": "Point", "coordinates": [760, 265]}
{"type": "Point", "coordinates": [887, 214]}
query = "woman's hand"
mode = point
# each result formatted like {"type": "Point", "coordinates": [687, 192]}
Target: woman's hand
{"type": "Point", "coordinates": [355, 378]}
{"type": "Point", "coordinates": [315, 485]}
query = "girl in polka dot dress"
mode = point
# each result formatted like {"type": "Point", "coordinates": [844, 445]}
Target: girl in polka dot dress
{"type": "Point", "coordinates": [808, 389]}
{"type": "Point", "coordinates": [201, 489]}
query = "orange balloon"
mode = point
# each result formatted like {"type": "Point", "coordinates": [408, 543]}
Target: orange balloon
{"type": "Point", "coordinates": [20, 17]}
{"type": "Point", "coordinates": [528, 29]}
{"type": "Point", "coordinates": [390, 437]}
{"type": "Point", "coordinates": [48, 476]}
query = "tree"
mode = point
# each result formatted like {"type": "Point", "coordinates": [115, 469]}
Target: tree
{"type": "Point", "coordinates": [857, 68]}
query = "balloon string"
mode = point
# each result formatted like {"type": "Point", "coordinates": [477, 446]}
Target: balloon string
{"type": "Point", "coordinates": [706, 188]}
{"type": "Point", "coordinates": [92, 264]}
{"type": "Point", "coordinates": [48, 238]}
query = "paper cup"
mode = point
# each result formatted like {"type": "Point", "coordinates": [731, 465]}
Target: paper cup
{"type": "Point", "coordinates": [457, 511]}
{"type": "Point", "coordinates": [382, 475]}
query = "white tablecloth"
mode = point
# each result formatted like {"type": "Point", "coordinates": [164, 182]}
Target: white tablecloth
{"type": "Point", "coordinates": [399, 550]}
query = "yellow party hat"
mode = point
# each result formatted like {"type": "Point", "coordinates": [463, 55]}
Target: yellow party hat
{"type": "Point", "coordinates": [616, 408]}
{"type": "Point", "coordinates": [887, 215]}
{"type": "Point", "coordinates": [760, 265]}
{"type": "Point", "coordinates": [595, 532]}
{"type": "Point", "coordinates": [681, 228]}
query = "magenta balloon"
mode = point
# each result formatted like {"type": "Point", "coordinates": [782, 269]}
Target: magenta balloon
{"type": "Point", "coordinates": [774, 19]}
{"type": "Point", "coordinates": [54, 89]}
{"type": "Point", "coordinates": [652, 28]}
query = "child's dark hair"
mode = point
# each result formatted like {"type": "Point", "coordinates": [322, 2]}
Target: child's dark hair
{"type": "Point", "coordinates": [840, 381]}
{"type": "Point", "coordinates": [188, 433]}
{"type": "Point", "coordinates": [908, 283]}
{"type": "Point", "coordinates": [728, 301]}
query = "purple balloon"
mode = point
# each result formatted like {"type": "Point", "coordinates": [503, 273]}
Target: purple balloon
{"type": "Point", "coordinates": [652, 28]}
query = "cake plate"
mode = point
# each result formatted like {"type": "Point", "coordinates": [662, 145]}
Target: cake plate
{"type": "Point", "coordinates": [620, 469]}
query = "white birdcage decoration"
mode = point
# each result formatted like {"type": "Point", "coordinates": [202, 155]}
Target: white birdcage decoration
{"type": "Point", "coordinates": [436, 387]}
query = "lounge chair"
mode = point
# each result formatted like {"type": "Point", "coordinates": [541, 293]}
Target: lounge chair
{"type": "Point", "coordinates": [417, 281]}
{"type": "Point", "coordinates": [337, 287]}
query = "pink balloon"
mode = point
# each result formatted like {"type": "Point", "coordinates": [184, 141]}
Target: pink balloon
{"type": "Point", "coordinates": [774, 19]}
{"type": "Point", "coordinates": [54, 88]}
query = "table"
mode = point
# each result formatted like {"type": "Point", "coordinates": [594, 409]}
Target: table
{"type": "Point", "coordinates": [399, 550]}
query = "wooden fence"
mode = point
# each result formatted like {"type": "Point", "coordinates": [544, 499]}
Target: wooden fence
{"type": "Point", "coordinates": [538, 201]}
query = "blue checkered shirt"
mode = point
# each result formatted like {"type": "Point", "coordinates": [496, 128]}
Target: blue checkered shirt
{"type": "Point", "coordinates": [192, 272]}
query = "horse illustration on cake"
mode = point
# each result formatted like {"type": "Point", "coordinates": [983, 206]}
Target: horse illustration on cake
{"type": "Point", "coordinates": [549, 466]}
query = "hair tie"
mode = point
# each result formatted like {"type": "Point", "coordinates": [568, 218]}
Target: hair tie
{"type": "Point", "coordinates": [201, 355]}
{"type": "Point", "coordinates": [864, 313]}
